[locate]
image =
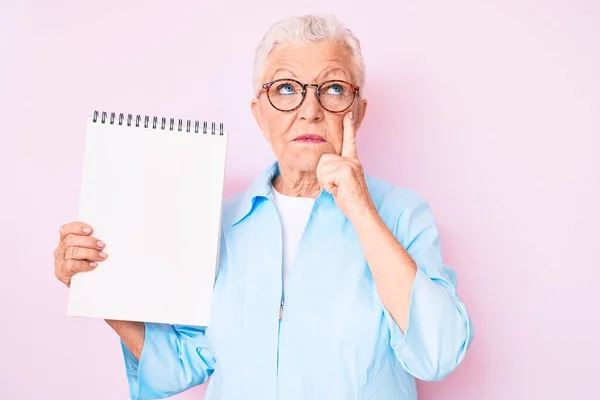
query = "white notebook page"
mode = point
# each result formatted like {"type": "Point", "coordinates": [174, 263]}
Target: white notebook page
{"type": "Point", "coordinates": [154, 197]}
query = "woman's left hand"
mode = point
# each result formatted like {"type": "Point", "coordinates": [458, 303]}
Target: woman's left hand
{"type": "Point", "coordinates": [343, 176]}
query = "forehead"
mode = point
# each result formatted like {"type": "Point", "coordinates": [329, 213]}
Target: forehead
{"type": "Point", "coordinates": [309, 62]}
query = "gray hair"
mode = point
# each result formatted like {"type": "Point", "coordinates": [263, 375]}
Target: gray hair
{"type": "Point", "coordinates": [308, 29]}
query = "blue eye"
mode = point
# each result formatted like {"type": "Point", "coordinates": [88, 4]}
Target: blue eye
{"type": "Point", "coordinates": [335, 89]}
{"type": "Point", "coordinates": [285, 89]}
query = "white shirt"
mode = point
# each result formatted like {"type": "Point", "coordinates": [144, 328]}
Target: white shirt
{"type": "Point", "coordinates": [293, 213]}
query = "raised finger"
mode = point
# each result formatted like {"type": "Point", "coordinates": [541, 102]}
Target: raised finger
{"type": "Point", "coordinates": [77, 228]}
{"type": "Point", "coordinates": [349, 137]}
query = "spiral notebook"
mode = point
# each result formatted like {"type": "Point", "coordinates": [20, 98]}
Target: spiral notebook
{"type": "Point", "coordinates": [151, 188]}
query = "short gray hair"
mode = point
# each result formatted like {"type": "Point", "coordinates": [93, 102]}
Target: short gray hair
{"type": "Point", "coordinates": [308, 29]}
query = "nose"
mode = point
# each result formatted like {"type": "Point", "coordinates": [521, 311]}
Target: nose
{"type": "Point", "coordinates": [310, 109]}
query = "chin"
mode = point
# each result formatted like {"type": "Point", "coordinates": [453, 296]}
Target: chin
{"type": "Point", "coordinates": [304, 162]}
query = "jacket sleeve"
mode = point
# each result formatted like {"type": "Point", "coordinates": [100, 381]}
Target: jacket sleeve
{"type": "Point", "coordinates": [174, 358]}
{"type": "Point", "coordinates": [439, 330]}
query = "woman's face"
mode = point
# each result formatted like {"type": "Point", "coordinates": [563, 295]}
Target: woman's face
{"type": "Point", "coordinates": [301, 136]}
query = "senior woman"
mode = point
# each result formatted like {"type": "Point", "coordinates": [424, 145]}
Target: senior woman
{"type": "Point", "coordinates": [331, 284]}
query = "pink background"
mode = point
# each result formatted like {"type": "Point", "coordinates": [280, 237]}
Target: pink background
{"type": "Point", "coordinates": [490, 109]}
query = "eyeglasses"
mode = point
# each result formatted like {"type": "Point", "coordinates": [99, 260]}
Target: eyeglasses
{"type": "Point", "coordinates": [288, 94]}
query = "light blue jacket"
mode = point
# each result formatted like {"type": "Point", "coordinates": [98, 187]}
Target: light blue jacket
{"type": "Point", "coordinates": [335, 341]}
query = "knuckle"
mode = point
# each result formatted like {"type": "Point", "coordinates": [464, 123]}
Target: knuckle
{"type": "Point", "coordinates": [70, 240]}
{"type": "Point", "coordinates": [355, 165]}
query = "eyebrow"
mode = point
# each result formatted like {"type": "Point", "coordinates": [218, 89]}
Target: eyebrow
{"type": "Point", "coordinates": [322, 76]}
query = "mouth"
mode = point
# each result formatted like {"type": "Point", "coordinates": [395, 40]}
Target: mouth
{"type": "Point", "coordinates": [309, 138]}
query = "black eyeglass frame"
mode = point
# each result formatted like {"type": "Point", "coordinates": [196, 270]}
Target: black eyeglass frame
{"type": "Point", "coordinates": [318, 86]}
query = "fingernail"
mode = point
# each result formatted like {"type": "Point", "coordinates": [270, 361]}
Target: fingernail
{"type": "Point", "coordinates": [100, 243]}
{"type": "Point", "coordinates": [86, 230]}
{"type": "Point", "coordinates": [102, 254]}
{"type": "Point", "coordinates": [93, 264]}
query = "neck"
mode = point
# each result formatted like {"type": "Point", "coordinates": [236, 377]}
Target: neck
{"type": "Point", "coordinates": [297, 183]}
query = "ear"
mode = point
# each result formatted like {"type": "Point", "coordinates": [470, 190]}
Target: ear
{"type": "Point", "coordinates": [255, 106]}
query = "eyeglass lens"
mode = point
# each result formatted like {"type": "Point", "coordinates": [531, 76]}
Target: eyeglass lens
{"type": "Point", "coordinates": [334, 96]}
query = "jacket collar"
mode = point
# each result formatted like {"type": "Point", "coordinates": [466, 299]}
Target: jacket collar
{"type": "Point", "coordinates": [261, 189]}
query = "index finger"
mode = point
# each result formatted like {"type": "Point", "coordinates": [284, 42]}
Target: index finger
{"type": "Point", "coordinates": [349, 137]}
{"type": "Point", "coordinates": [77, 227]}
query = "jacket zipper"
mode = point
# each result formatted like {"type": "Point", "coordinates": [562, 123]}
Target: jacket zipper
{"type": "Point", "coordinates": [281, 310]}
{"type": "Point", "coordinates": [282, 302]}
{"type": "Point", "coordinates": [281, 306]}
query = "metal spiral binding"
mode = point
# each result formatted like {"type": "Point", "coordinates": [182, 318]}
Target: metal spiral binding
{"type": "Point", "coordinates": [163, 124]}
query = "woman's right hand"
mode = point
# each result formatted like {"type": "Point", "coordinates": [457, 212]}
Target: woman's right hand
{"type": "Point", "coordinates": [77, 251]}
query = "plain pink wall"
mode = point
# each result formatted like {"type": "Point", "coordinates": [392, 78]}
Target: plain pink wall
{"type": "Point", "coordinates": [490, 109]}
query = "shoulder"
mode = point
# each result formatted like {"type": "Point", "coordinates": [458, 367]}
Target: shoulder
{"type": "Point", "coordinates": [399, 207]}
{"type": "Point", "coordinates": [390, 198]}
